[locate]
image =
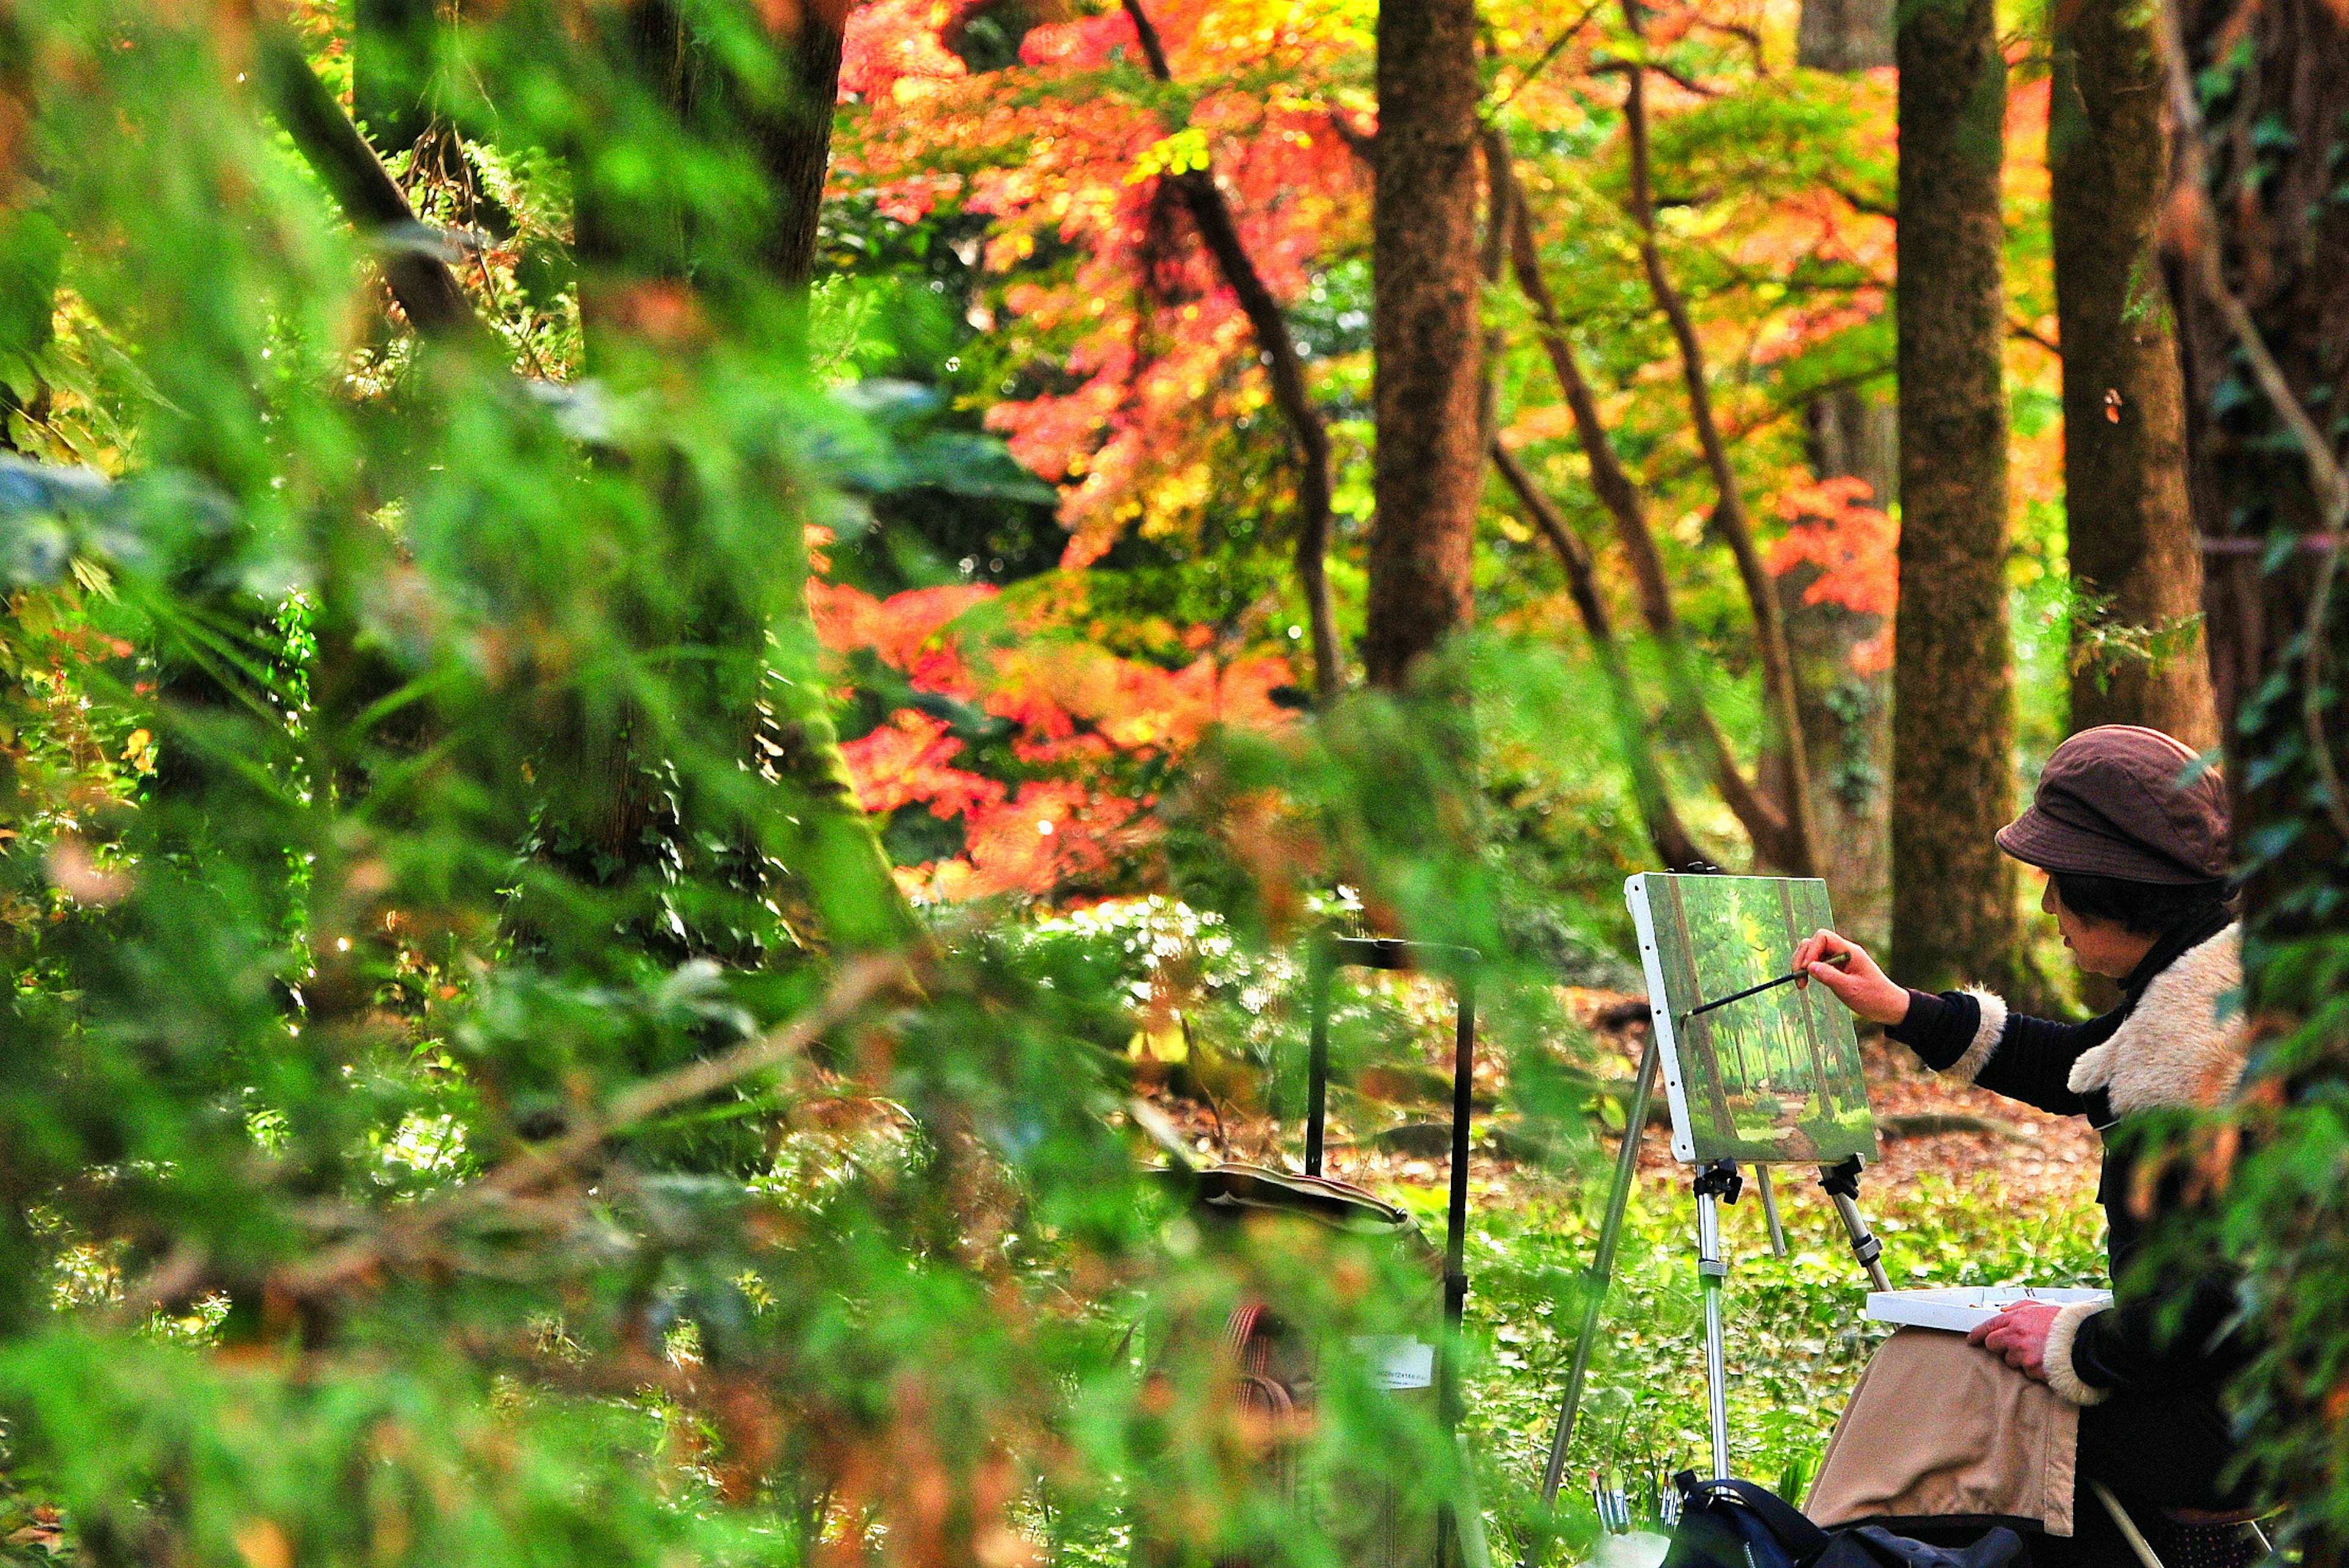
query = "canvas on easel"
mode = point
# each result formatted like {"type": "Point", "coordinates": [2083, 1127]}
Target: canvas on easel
{"type": "Point", "coordinates": [1774, 1078]}
{"type": "Point", "coordinates": [1758, 1070]}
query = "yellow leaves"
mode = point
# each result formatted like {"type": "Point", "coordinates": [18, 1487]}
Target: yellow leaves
{"type": "Point", "coordinates": [1180, 153]}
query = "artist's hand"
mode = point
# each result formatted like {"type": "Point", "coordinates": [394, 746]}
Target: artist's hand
{"type": "Point", "coordinates": [1858, 985]}
{"type": "Point", "coordinates": [2020, 1334]}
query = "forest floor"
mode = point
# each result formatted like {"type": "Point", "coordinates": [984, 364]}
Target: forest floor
{"type": "Point", "coordinates": [1971, 1189]}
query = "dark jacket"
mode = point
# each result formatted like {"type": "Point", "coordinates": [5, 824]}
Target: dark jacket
{"type": "Point", "coordinates": [2176, 1040]}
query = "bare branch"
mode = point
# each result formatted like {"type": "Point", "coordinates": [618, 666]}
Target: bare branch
{"type": "Point", "coordinates": [1666, 832]}
{"type": "Point", "coordinates": [1761, 588]}
{"type": "Point", "coordinates": [422, 282]}
{"type": "Point", "coordinates": [1212, 215]}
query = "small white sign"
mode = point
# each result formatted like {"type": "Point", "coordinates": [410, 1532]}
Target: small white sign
{"type": "Point", "coordinates": [1397, 1360]}
{"type": "Point", "coordinates": [1965, 1308]}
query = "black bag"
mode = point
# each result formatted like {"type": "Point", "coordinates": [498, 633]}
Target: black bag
{"type": "Point", "coordinates": [1737, 1524]}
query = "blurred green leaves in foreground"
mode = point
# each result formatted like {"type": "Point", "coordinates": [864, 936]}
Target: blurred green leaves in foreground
{"type": "Point", "coordinates": [471, 1089]}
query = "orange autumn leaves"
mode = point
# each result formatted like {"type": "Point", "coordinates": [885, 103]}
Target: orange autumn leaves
{"type": "Point", "coordinates": [1062, 803]}
{"type": "Point", "coordinates": [1150, 354]}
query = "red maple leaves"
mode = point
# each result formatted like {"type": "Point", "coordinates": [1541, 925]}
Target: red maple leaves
{"type": "Point", "coordinates": [1063, 800]}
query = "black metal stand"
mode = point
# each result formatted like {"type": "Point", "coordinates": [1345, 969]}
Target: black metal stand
{"type": "Point", "coordinates": [1460, 965]}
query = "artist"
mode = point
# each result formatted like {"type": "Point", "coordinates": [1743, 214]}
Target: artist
{"type": "Point", "coordinates": [2136, 863]}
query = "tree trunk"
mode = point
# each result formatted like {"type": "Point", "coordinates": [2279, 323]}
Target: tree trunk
{"type": "Point", "coordinates": [629, 239]}
{"type": "Point", "coordinates": [2137, 655]}
{"type": "Point", "coordinates": [794, 139]}
{"type": "Point", "coordinates": [1853, 433]}
{"type": "Point", "coordinates": [1429, 471]}
{"type": "Point", "coordinates": [1954, 914]}
{"type": "Point", "coordinates": [1844, 35]}
{"type": "Point", "coordinates": [2260, 273]}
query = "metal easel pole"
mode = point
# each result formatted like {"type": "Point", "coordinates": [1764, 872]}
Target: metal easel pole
{"type": "Point", "coordinates": [1714, 1184]}
{"type": "Point", "coordinates": [1842, 1184]}
{"type": "Point", "coordinates": [1770, 1210]}
{"type": "Point", "coordinates": [1602, 1270]}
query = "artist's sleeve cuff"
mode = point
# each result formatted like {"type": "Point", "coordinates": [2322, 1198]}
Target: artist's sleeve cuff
{"type": "Point", "coordinates": [1954, 1033]}
{"type": "Point", "coordinates": [1990, 1028]}
{"type": "Point", "coordinates": [2061, 1336]}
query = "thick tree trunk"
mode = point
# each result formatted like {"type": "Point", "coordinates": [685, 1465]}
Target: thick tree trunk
{"type": "Point", "coordinates": [629, 239]}
{"type": "Point", "coordinates": [1954, 914]}
{"type": "Point", "coordinates": [2139, 656]}
{"type": "Point", "coordinates": [1429, 471]}
{"type": "Point", "coordinates": [2261, 272]}
{"type": "Point", "coordinates": [794, 139]}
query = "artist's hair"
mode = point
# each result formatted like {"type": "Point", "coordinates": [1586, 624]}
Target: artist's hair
{"type": "Point", "coordinates": [2147, 909]}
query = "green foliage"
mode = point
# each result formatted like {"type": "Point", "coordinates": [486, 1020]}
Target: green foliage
{"type": "Point", "coordinates": [1795, 1340]}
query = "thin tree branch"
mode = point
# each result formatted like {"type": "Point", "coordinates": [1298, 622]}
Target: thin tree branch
{"type": "Point", "coordinates": [423, 283]}
{"type": "Point", "coordinates": [1547, 58]}
{"type": "Point", "coordinates": [1761, 588]}
{"type": "Point", "coordinates": [1212, 215]}
{"type": "Point", "coordinates": [858, 982]}
{"type": "Point", "coordinates": [1666, 832]}
{"type": "Point", "coordinates": [2027, 333]}
{"type": "Point", "coordinates": [1685, 706]}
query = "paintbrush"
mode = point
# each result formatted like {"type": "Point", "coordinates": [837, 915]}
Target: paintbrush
{"type": "Point", "coordinates": [1839, 960]}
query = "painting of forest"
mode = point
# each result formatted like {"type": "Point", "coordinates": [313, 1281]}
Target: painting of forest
{"type": "Point", "coordinates": [1774, 1076]}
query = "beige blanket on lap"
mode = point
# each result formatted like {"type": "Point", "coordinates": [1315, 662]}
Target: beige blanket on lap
{"type": "Point", "coordinates": [1939, 1426]}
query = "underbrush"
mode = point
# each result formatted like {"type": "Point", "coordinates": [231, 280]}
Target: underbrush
{"type": "Point", "coordinates": [1796, 1339]}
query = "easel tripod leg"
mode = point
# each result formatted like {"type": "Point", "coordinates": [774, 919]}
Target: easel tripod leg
{"type": "Point", "coordinates": [1713, 1273]}
{"type": "Point", "coordinates": [1602, 1272]}
{"type": "Point", "coordinates": [1842, 1184]}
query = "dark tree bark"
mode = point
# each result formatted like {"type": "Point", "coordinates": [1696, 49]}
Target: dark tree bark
{"type": "Point", "coordinates": [794, 139]}
{"type": "Point", "coordinates": [1429, 469]}
{"type": "Point", "coordinates": [2259, 231]}
{"type": "Point", "coordinates": [1954, 914]}
{"type": "Point", "coordinates": [1212, 216]}
{"type": "Point", "coordinates": [2263, 284]}
{"type": "Point", "coordinates": [2132, 539]}
{"type": "Point", "coordinates": [420, 280]}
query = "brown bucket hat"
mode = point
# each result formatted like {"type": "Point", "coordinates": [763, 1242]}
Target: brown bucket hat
{"type": "Point", "coordinates": [2111, 804]}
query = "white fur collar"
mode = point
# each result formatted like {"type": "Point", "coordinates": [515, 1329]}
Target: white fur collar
{"type": "Point", "coordinates": [2184, 1041]}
